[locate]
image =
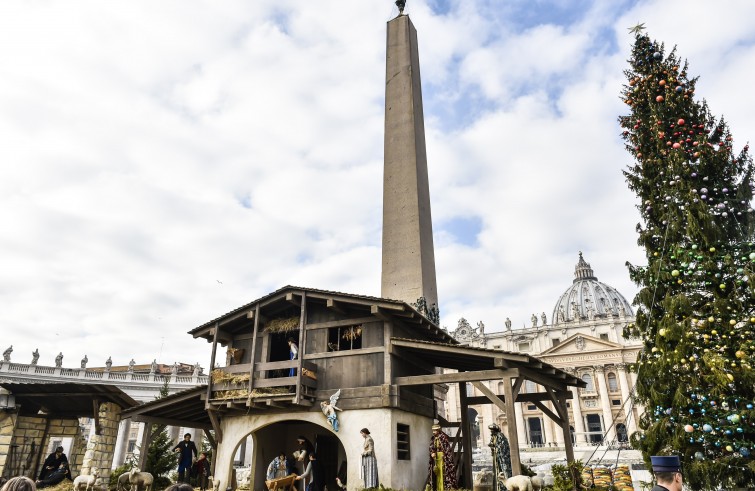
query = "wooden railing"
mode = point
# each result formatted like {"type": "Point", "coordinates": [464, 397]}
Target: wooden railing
{"type": "Point", "coordinates": [267, 376]}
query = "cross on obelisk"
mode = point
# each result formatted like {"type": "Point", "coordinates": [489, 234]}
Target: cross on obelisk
{"type": "Point", "coordinates": [408, 272]}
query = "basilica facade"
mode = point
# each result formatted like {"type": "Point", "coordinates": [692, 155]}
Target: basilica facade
{"type": "Point", "coordinates": [585, 338]}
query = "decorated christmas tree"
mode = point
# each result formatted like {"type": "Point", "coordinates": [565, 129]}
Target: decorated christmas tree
{"type": "Point", "coordinates": [696, 305]}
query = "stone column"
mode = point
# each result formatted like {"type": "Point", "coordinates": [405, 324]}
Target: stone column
{"type": "Point", "coordinates": [121, 445]}
{"type": "Point", "coordinates": [579, 421]}
{"type": "Point", "coordinates": [101, 448]}
{"type": "Point", "coordinates": [631, 421]}
{"type": "Point", "coordinates": [547, 425]}
{"type": "Point", "coordinates": [521, 433]}
{"type": "Point", "coordinates": [605, 403]}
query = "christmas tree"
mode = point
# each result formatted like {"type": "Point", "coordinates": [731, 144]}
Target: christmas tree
{"type": "Point", "coordinates": [696, 308]}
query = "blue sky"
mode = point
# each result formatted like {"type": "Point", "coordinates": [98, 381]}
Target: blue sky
{"type": "Point", "coordinates": [165, 163]}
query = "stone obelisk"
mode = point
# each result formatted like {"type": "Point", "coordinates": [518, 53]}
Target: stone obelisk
{"type": "Point", "coordinates": [408, 272]}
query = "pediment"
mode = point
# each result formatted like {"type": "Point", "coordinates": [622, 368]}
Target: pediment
{"type": "Point", "coordinates": [580, 343]}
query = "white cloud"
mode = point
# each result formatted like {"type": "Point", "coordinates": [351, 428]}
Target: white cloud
{"type": "Point", "coordinates": [149, 151]}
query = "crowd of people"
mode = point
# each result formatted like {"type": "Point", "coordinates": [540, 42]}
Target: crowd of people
{"type": "Point", "coordinates": [304, 465]}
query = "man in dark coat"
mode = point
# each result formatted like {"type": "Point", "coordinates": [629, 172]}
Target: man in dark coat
{"type": "Point", "coordinates": [668, 472]}
{"type": "Point", "coordinates": [314, 474]}
{"type": "Point", "coordinates": [53, 462]}
{"type": "Point", "coordinates": [54, 477]}
{"type": "Point", "coordinates": [188, 452]}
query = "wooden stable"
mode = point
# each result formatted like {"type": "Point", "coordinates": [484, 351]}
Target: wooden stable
{"type": "Point", "coordinates": [384, 356]}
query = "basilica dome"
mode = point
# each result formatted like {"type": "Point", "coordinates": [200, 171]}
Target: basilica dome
{"type": "Point", "coordinates": [589, 298]}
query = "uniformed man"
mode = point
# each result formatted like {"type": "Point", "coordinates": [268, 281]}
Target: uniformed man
{"type": "Point", "coordinates": [668, 472]}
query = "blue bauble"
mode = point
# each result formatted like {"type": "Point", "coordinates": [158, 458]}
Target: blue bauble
{"type": "Point", "coordinates": [679, 89]}
{"type": "Point", "coordinates": [744, 451]}
{"type": "Point", "coordinates": [707, 428]}
{"type": "Point", "coordinates": [656, 56]}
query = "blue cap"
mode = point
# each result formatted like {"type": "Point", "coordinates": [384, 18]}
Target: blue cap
{"type": "Point", "coordinates": [666, 463]}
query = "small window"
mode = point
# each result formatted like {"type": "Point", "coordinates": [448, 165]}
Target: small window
{"type": "Point", "coordinates": [500, 388]}
{"type": "Point", "coordinates": [131, 446]}
{"type": "Point", "coordinates": [613, 385]}
{"type": "Point", "coordinates": [616, 402]}
{"type": "Point", "coordinates": [470, 389]}
{"type": "Point", "coordinates": [555, 341]}
{"type": "Point", "coordinates": [604, 336]}
{"type": "Point", "coordinates": [496, 346]}
{"type": "Point", "coordinates": [524, 346]}
{"type": "Point", "coordinates": [532, 407]}
{"type": "Point", "coordinates": [530, 387]}
{"type": "Point", "coordinates": [568, 404]}
{"type": "Point", "coordinates": [402, 442]}
{"type": "Point", "coordinates": [344, 338]}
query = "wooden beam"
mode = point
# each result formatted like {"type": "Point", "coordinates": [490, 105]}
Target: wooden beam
{"type": "Point", "coordinates": [517, 386]}
{"type": "Point", "coordinates": [466, 436]}
{"type": "Point", "coordinates": [171, 422]}
{"type": "Point", "coordinates": [143, 449]}
{"type": "Point", "coordinates": [290, 297]}
{"type": "Point", "coordinates": [215, 425]}
{"type": "Point", "coordinates": [508, 393]}
{"type": "Point", "coordinates": [490, 395]}
{"type": "Point", "coordinates": [543, 380]}
{"type": "Point", "coordinates": [548, 412]}
{"type": "Point", "coordinates": [340, 323]}
{"type": "Point", "coordinates": [210, 439]}
{"type": "Point", "coordinates": [212, 364]}
{"type": "Point", "coordinates": [447, 378]}
{"type": "Point", "coordinates": [568, 447]}
{"type": "Point", "coordinates": [377, 311]}
{"type": "Point", "coordinates": [256, 315]}
{"type": "Point", "coordinates": [302, 345]}
{"type": "Point", "coordinates": [334, 306]}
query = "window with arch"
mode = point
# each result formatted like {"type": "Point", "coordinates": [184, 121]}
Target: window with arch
{"type": "Point", "coordinates": [587, 378]}
{"type": "Point", "coordinates": [500, 387]}
{"type": "Point", "coordinates": [613, 383]}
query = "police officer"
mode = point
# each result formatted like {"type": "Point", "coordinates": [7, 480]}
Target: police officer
{"type": "Point", "coordinates": [668, 472]}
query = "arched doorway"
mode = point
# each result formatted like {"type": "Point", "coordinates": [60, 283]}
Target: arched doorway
{"type": "Point", "coordinates": [281, 436]}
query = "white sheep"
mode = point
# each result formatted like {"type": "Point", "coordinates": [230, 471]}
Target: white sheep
{"type": "Point", "coordinates": [137, 479]}
{"type": "Point", "coordinates": [123, 484]}
{"type": "Point", "coordinates": [87, 481]}
{"type": "Point", "coordinates": [537, 483]}
{"type": "Point", "coordinates": [519, 483]}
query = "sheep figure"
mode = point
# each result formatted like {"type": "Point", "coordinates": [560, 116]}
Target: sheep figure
{"type": "Point", "coordinates": [518, 483]}
{"type": "Point", "coordinates": [138, 479]}
{"type": "Point", "coordinates": [85, 481]}
{"type": "Point", "coordinates": [537, 483]}
{"type": "Point", "coordinates": [215, 483]}
{"type": "Point", "coordinates": [123, 484]}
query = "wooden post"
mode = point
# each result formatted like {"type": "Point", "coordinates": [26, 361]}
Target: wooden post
{"type": "Point", "coordinates": [568, 447]}
{"type": "Point", "coordinates": [212, 366]}
{"type": "Point", "coordinates": [254, 349]}
{"type": "Point", "coordinates": [466, 438]}
{"type": "Point", "coordinates": [513, 434]}
{"type": "Point", "coordinates": [144, 448]}
{"type": "Point", "coordinates": [302, 345]}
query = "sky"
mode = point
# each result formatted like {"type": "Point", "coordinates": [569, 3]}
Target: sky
{"type": "Point", "coordinates": [162, 163]}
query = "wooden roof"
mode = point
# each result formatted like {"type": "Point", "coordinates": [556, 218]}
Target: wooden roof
{"type": "Point", "coordinates": [380, 307]}
{"type": "Point", "coordinates": [185, 408]}
{"type": "Point", "coordinates": [488, 362]}
{"type": "Point", "coordinates": [65, 400]}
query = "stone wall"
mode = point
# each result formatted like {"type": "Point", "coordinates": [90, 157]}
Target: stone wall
{"type": "Point", "coordinates": [101, 448]}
